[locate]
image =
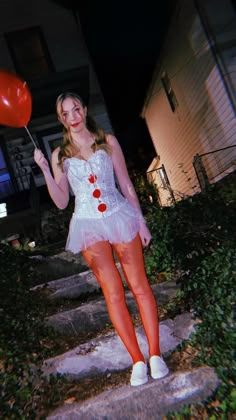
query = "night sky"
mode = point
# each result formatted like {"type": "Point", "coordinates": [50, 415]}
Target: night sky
{"type": "Point", "coordinates": [124, 39]}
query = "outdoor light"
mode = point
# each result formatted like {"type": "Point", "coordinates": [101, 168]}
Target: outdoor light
{"type": "Point", "coordinates": [32, 244]}
{"type": "Point", "coordinates": [3, 210]}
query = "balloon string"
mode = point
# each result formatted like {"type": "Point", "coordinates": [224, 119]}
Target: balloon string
{"type": "Point", "coordinates": [31, 138]}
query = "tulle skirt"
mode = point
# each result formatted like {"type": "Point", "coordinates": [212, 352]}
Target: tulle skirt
{"type": "Point", "coordinates": [120, 226]}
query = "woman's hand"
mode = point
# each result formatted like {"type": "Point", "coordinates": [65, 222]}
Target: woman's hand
{"type": "Point", "coordinates": [144, 234]}
{"type": "Point", "coordinates": [57, 185]}
{"type": "Point", "coordinates": [41, 160]}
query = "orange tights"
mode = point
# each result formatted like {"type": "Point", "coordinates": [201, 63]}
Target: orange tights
{"type": "Point", "coordinates": [100, 259]}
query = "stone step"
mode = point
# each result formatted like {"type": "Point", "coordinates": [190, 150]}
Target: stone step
{"type": "Point", "coordinates": [58, 266]}
{"type": "Point", "coordinates": [107, 352]}
{"type": "Point", "coordinates": [151, 401]}
{"type": "Point", "coordinates": [70, 287]}
{"type": "Point", "coordinates": [73, 286]}
{"type": "Point", "coordinates": [93, 316]}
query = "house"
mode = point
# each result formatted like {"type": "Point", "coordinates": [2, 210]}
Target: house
{"type": "Point", "coordinates": [42, 43]}
{"type": "Point", "coordinates": [190, 106]}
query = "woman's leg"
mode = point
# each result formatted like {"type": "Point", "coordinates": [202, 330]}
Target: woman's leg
{"type": "Point", "coordinates": [131, 259]}
{"type": "Point", "coordinates": [100, 259]}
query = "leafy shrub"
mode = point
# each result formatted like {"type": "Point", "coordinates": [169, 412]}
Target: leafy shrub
{"type": "Point", "coordinates": [197, 238]}
{"type": "Point", "coordinates": [22, 333]}
{"type": "Point", "coordinates": [184, 234]}
{"type": "Point", "coordinates": [159, 255]}
{"type": "Point", "coordinates": [213, 295]}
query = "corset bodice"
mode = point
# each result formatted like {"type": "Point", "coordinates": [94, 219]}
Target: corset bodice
{"type": "Point", "coordinates": [93, 184]}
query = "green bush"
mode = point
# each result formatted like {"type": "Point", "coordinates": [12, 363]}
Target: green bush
{"type": "Point", "coordinates": [212, 294]}
{"type": "Point", "coordinates": [184, 234]}
{"type": "Point", "coordinates": [196, 238]}
{"type": "Point", "coordinates": [159, 255]}
{"type": "Point", "coordinates": [213, 298]}
{"type": "Point", "coordinates": [22, 314]}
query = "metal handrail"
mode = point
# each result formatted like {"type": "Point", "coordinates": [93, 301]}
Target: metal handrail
{"type": "Point", "coordinates": [217, 150]}
{"type": "Point", "coordinates": [200, 167]}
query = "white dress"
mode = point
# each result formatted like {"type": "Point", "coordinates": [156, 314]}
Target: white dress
{"type": "Point", "coordinates": [101, 212]}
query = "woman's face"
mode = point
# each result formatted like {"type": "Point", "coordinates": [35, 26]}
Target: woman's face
{"type": "Point", "coordinates": [73, 115]}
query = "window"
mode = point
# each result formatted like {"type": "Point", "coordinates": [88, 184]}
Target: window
{"type": "Point", "coordinates": [29, 53]}
{"type": "Point", "coordinates": [169, 91]}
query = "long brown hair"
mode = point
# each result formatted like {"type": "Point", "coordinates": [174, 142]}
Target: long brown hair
{"type": "Point", "coordinates": [66, 148]}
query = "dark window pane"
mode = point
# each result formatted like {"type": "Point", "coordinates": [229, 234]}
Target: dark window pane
{"type": "Point", "coordinates": [169, 91]}
{"type": "Point", "coordinates": [29, 53]}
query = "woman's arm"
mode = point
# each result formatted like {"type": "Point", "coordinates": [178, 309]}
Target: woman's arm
{"type": "Point", "coordinates": [127, 187]}
{"type": "Point", "coordinates": [58, 187]}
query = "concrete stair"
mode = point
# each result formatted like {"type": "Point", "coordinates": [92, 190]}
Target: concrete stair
{"type": "Point", "coordinates": [106, 354]}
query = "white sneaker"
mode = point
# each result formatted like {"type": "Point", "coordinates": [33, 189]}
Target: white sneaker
{"type": "Point", "coordinates": [139, 374]}
{"type": "Point", "coordinates": [158, 367]}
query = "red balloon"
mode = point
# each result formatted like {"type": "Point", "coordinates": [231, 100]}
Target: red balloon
{"type": "Point", "coordinates": [15, 101]}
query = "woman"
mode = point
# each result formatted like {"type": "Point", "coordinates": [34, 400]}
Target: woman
{"type": "Point", "coordinates": [105, 220]}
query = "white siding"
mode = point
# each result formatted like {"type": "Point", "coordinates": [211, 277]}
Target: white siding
{"type": "Point", "coordinates": [204, 120]}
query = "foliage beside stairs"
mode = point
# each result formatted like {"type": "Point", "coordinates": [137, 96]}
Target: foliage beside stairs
{"type": "Point", "coordinates": [194, 241]}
